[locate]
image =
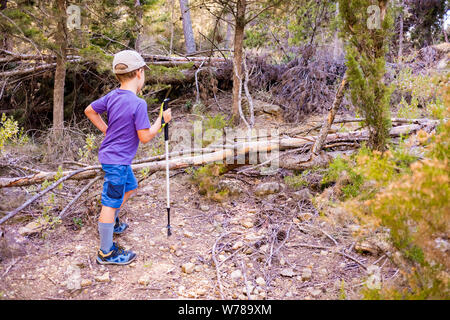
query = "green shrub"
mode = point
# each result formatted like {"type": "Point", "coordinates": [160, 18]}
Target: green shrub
{"type": "Point", "coordinates": [10, 132]}
{"type": "Point", "coordinates": [297, 181]}
{"type": "Point", "coordinates": [207, 179]}
{"type": "Point", "coordinates": [414, 207]}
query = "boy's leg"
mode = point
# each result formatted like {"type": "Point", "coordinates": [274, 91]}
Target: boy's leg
{"type": "Point", "coordinates": [112, 198]}
{"type": "Point", "coordinates": [109, 207]}
{"type": "Point", "coordinates": [130, 187]}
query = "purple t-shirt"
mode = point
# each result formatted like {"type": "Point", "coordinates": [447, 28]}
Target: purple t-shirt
{"type": "Point", "coordinates": [127, 113]}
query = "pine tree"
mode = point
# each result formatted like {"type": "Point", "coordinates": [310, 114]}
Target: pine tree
{"type": "Point", "coordinates": [366, 26]}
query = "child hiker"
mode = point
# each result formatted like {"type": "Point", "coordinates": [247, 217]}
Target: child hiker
{"type": "Point", "coordinates": [128, 123]}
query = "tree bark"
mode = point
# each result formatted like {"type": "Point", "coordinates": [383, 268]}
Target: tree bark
{"type": "Point", "coordinates": [172, 24]}
{"type": "Point", "coordinates": [400, 39]}
{"type": "Point", "coordinates": [229, 34]}
{"type": "Point", "coordinates": [237, 59]}
{"type": "Point", "coordinates": [6, 41]}
{"type": "Point", "coordinates": [317, 147]}
{"type": "Point", "coordinates": [189, 39]}
{"type": "Point", "coordinates": [138, 41]}
{"type": "Point", "coordinates": [60, 73]}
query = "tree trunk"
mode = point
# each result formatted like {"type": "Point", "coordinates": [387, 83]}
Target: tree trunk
{"type": "Point", "coordinates": [320, 141]}
{"type": "Point", "coordinates": [229, 35]}
{"type": "Point", "coordinates": [6, 41]}
{"type": "Point", "coordinates": [138, 41]}
{"type": "Point", "coordinates": [60, 73]}
{"type": "Point", "coordinates": [400, 39]}
{"type": "Point", "coordinates": [336, 45]}
{"type": "Point", "coordinates": [187, 27]}
{"type": "Point", "coordinates": [237, 60]}
{"type": "Point", "coordinates": [172, 24]}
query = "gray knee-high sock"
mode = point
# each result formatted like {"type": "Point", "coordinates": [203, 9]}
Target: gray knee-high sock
{"type": "Point", "coordinates": [106, 231]}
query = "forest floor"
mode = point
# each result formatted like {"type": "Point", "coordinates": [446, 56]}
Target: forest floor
{"type": "Point", "coordinates": [276, 246]}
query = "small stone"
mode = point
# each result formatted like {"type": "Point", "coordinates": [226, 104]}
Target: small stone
{"type": "Point", "coordinates": [73, 281]}
{"type": "Point", "coordinates": [188, 267]}
{"type": "Point", "coordinates": [222, 257]}
{"type": "Point", "coordinates": [178, 253]}
{"type": "Point", "coordinates": [237, 274]}
{"type": "Point", "coordinates": [86, 283]}
{"type": "Point", "coordinates": [33, 227]}
{"type": "Point", "coordinates": [204, 207]}
{"type": "Point", "coordinates": [315, 292]}
{"type": "Point", "coordinates": [268, 188]}
{"type": "Point", "coordinates": [151, 242]}
{"type": "Point", "coordinates": [323, 271]}
{"type": "Point", "coordinates": [103, 278]}
{"type": "Point", "coordinates": [305, 216]}
{"type": "Point", "coordinates": [237, 245]}
{"type": "Point", "coordinates": [198, 268]}
{"type": "Point", "coordinates": [234, 187]}
{"type": "Point", "coordinates": [260, 281]}
{"type": "Point", "coordinates": [323, 252]}
{"type": "Point", "coordinates": [247, 224]}
{"type": "Point", "coordinates": [302, 195]}
{"type": "Point", "coordinates": [288, 272]}
{"type": "Point", "coordinates": [144, 280]}
{"type": "Point", "coordinates": [188, 234]}
{"type": "Point", "coordinates": [306, 274]}
{"type": "Point", "coordinates": [201, 291]}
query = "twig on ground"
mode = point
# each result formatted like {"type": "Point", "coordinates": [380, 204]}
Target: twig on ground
{"type": "Point", "coordinates": [64, 212]}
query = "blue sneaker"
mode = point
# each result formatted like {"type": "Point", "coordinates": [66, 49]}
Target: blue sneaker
{"type": "Point", "coordinates": [120, 227]}
{"type": "Point", "coordinates": [118, 255]}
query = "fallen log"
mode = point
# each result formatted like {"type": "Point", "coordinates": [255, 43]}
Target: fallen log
{"type": "Point", "coordinates": [220, 155]}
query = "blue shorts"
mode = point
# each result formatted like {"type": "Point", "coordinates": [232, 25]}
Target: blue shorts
{"type": "Point", "coordinates": [118, 180]}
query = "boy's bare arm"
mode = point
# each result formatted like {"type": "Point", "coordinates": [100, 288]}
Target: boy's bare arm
{"type": "Point", "coordinates": [95, 119]}
{"type": "Point", "coordinates": [146, 135]}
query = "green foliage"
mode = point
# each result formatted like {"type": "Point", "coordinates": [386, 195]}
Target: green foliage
{"type": "Point", "coordinates": [10, 132]}
{"type": "Point", "coordinates": [212, 127]}
{"type": "Point", "coordinates": [207, 179]}
{"type": "Point", "coordinates": [310, 17]}
{"type": "Point", "coordinates": [340, 167]}
{"type": "Point", "coordinates": [87, 151]}
{"type": "Point", "coordinates": [78, 222]}
{"type": "Point", "coordinates": [366, 51]}
{"type": "Point", "coordinates": [367, 171]}
{"type": "Point", "coordinates": [297, 181]}
{"type": "Point", "coordinates": [413, 205]}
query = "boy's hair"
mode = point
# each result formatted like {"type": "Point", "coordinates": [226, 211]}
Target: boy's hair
{"type": "Point", "coordinates": [125, 76]}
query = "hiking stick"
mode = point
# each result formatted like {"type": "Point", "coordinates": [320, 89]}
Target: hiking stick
{"type": "Point", "coordinates": [166, 140]}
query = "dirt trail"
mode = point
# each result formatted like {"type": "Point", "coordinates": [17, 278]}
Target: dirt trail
{"type": "Point", "coordinates": [265, 247]}
{"type": "Point", "coordinates": [43, 272]}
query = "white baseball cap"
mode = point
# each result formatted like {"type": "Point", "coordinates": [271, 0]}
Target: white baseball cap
{"type": "Point", "coordinates": [132, 59]}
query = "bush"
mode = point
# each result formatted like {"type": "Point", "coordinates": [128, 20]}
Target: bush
{"type": "Point", "coordinates": [207, 179]}
{"type": "Point", "coordinates": [415, 208]}
{"type": "Point", "coordinates": [10, 132]}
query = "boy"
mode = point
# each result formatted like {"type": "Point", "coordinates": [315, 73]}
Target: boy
{"type": "Point", "coordinates": [128, 124]}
